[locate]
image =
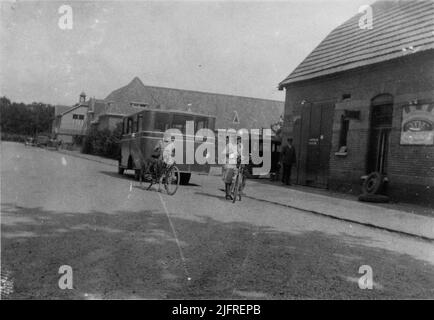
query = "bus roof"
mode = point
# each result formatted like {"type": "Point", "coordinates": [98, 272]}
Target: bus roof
{"type": "Point", "coordinates": [172, 111]}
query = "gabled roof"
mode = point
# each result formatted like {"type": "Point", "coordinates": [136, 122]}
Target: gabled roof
{"type": "Point", "coordinates": [170, 111]}
{"type": "Point", "coordinates": [121, 98]}
{"type": "Point", "coordinates": [73, 108]}
{"type": "Point", "coordinates": [59, 109]}
{"type": "Point", "coordinates": [253, 112]}
{"type": "Point", "coordinates": [400, 28]}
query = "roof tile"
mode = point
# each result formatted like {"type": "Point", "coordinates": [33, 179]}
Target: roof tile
{"type": "Point", "coordinates": [397, 26]}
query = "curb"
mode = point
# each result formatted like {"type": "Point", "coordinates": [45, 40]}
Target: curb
{"type": "Point", "coordinates": [345, 219]}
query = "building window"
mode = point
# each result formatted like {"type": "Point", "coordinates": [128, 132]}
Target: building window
{"type": "Point", "coordinates": [346, 96]}
{"type": "Point", "coordinates": [78, 116]}
{"type": "Point", "coordinates": [343, 134]}
{"type": "Point", "coordinates": [138, 104]}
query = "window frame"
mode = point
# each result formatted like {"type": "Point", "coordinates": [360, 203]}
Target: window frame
{"type": "Point", "coordinates": [166, 123]}
{"type": "Point", "coordinates": [129, 125]}
{"type": "Point", "coordinates": [201, 120]}
{"type": "Point", "coordinates": [183, 122]}
{"type": "Point", "coordinates": [343, 132]}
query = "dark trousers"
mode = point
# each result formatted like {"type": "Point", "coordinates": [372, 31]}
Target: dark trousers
{"type": "Point", "coordinates": [286, 176]}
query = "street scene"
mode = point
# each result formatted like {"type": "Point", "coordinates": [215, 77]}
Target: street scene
{"type": "Point", "coordinates": [217, 150]}
{"type": "Point", "coordinates": [123, 242]}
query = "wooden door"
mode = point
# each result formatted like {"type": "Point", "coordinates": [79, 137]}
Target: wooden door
{"type": "Point", "coordinates": [317, 121]}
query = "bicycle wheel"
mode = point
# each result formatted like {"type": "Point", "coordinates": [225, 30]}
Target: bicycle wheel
{"type": "Point", "coordinates": [146, 177]}
{"type": "Point", "coordinates": [149, 181]}
{"type": "Point", "coordinates": [236, 187]}
{"type": "Point", "coordinates": [171, 180]}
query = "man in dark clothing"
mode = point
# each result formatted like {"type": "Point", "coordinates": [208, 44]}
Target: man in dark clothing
{"type": "Point", "coordinates": [287, 159]}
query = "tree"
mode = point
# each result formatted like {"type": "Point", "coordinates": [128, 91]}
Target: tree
{"type": "Point", "coordinates": [103, 142]}
{"type": "Point", "coordinates": [25, 119]}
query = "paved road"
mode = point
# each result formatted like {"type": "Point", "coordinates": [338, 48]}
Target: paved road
{"type": "Point", "coordinates": [125, 242]}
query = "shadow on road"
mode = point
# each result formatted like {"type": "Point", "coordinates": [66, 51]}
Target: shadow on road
{"type": "Point", "coordinates": [135, 255]}
{"type": "Point", "coordinates": [222, 198]}
{"type": "Point", "coordinates": [114, 174]}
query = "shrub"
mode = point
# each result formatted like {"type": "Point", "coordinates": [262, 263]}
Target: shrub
{"type": "Point", "coordinates": [103, 143]}
{"type": "Point", "coordinates": [5, 136]}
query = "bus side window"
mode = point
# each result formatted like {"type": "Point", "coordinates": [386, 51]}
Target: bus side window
{"type": "Point", "coordinates": [140, 123]}
{"type": "Point", "coordinates": [161, 122]}
{"type": "Point", "coordinates": [134, 126]}
{"type": "Point", "coordinates": [124, 126]}
{"type": "Point", "coordinates": [201, 124]}
{"type": "Point", "coordinates": [130, 125]}
{"type": "Point", "coordinates": [179, 123]}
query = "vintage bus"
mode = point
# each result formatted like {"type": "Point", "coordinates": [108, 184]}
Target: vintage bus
{"type": "Point", "coordinates": [143, 129]}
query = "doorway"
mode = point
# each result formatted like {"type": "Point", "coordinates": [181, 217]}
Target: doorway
{"type": "Point", "coordinates": [379, 135]}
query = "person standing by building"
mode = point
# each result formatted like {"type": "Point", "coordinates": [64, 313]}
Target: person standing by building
{"type": "Point", "coordinates": [230, 152]}
{"type": "Point", "coordinates": [287, 158]}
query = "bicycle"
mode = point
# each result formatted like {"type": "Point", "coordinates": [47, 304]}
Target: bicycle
{"type": "Point", "coordinates": [237, 185]}
{"type": "Point", "coordinates": [169, 174]}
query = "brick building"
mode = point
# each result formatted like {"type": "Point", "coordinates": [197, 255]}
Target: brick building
{"type": "Point", "coordinates": [363, 101]}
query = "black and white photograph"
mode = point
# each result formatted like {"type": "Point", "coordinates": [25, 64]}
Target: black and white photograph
{"type": "Point", "coordinates": [187, 152]}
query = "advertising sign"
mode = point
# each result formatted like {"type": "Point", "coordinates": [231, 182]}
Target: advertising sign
{"type": "Point", "coordinates": [417, 127]}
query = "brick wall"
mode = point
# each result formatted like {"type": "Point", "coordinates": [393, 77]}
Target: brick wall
{"type": "Point", "coordinates": [407, 78]}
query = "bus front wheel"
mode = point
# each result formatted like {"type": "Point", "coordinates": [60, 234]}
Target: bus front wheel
{"type": "Point", "coordinates": [184, 178]}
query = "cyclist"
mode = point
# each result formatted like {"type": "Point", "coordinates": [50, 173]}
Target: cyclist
{"type": "Point", "coordinates": [163, 156]}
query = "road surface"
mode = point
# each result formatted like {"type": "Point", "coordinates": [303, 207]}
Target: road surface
{"type": "Point", "coordinates": [127, 243]}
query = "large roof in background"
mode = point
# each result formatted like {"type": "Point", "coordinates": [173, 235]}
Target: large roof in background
{"type": "Point", "coordinates": [400, 28]}
{"type": "Point", "coordinates": [252, 112]}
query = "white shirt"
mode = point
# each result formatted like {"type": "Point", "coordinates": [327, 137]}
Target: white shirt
{"type": "Point", "coordinates": [232, 151]}
{"type": "Point", "coordinates": [168, 151]}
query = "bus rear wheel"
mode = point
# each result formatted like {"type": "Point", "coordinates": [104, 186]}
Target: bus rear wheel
{"type": "Point", "coordinates": [184, 178]}
{"type": "Point", "coordinates": [137, 173]}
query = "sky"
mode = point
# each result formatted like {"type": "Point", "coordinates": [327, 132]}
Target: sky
{"type": "Point", "coordinates": [240, 48]}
